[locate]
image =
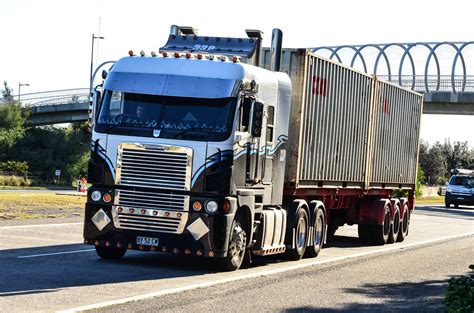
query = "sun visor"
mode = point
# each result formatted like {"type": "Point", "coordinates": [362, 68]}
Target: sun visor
{"type": "Point", "coordinates": [172, 85]}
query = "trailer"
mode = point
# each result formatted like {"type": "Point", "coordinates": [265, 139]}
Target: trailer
{"type": "Point", "coordinates": [246, 151]}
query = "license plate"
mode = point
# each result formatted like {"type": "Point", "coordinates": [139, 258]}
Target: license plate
{"type": "Point", "coordinates": [459, 198]}
{"type": "Point", "coordinates": [147, 241]}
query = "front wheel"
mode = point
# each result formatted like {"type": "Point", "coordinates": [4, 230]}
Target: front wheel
{"type": "Point", "coordinates": [236, 249]}
{"type": "Point", "coordinates": [110, 253]}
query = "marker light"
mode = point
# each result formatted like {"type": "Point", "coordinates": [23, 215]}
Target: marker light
{"type": "Point", "coordinates": [211, 206]}
{"type": "Point", "coordinates": [95, 195]}
{"type": "Point", "coordinates": [153, 54]}
{"type": "Point", "coordinates": [130, 53]}
{"type": "Point", "coordinates": [165, 54]}
{"type": "Point", "coordinates": [197, 206]}
{"type": "Point", "coordinates": [211, 57]}
{"type": "Point", "coordinates": [199, 56]}
{"type": "Point", "coordinates": [188, 55]}
{"type": "Point", "coordinates": [107, 197]}
{"type": "Point", "coordinates": [176, 55]}
{"type": "Point", "coordinates": [235, 59]}
{"type": "Point", "coordinates": [226, 207]}
{"type": "Point", "coordinates": [142, 53]}
{"type": "Point", "coordinates": [143, 211]}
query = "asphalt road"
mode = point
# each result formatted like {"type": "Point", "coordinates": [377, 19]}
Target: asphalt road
{"type": "Point", "coordinates": [46, 268]}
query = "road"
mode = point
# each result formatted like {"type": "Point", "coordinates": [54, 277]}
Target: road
{"type": "Point", "coordinates": [46, 268]}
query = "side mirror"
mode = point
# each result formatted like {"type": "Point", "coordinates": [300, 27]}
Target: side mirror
{"type": "Point", "coordinates": [94, 105]}
{"type": "Point", "coordinates": [257, 119]}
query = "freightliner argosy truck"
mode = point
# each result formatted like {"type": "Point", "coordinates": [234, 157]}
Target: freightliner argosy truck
{"type": "Point", "coordinates": [218, 148]}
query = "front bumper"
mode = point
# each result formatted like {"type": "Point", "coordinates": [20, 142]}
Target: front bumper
{"type": "Point", "coordinates": [212, 244]}
{"type": "Point", "coordinates": [459, 199]}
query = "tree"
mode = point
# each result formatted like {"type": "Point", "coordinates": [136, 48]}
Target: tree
{"type": "Point", "coordinates": [7, 93]}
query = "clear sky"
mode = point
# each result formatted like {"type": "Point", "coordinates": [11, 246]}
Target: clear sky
{"type": "Point", "coordinates": [47, 43]}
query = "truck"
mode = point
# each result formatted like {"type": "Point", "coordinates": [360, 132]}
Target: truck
{"type": "Point", "coordinates": [241, 150]}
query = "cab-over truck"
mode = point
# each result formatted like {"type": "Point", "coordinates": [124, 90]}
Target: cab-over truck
{"type": "Point", "coordinates": [246, 151]}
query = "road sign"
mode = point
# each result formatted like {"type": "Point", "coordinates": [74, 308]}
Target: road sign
{"type": "Point", "coordinates": [58, 173]}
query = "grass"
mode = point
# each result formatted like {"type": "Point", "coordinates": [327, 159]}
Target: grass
{"type": "Point", "coordinates": [18, 205]}
{"type": "Point", "coordinates": [430, 199]}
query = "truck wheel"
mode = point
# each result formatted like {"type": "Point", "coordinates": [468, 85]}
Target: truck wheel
{"type": "Point", "coordinates": [364, 233]}
{"type": "Point", "coordinates": [404, 224]}
{"type": "Point", "coordinates": [301, 236]}
{"type": "Point", "coordinates": [379, 233]}
{"type": "Point", "coordinates": [395, 226]}
{"type": "Point", "coordinates": [318, 234]}
{"type": "Point", "coordinates": [110, 253]}
{"type": "Point", "coordinates": [236, 249]}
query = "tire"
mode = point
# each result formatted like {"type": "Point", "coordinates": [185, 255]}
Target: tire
{"type": "Point", "coordinates": [301, 236]}
{"type": "Point", "coordinates": [447, 204]}
{"type": "Point", "coordinates": [394, 226]}
{"type": "Point", "coordinates": [110, 253]}
{"type": "Point", "coordinates": [456, 205]}
{"type": "Point", "coordinates": [404, 225]}
{"type": "Point", "coordinates": [364, 233]}
{"type": "Point", "coordinates": [318, 234]}
{"type": "Point", "coordinates": [236, 248]}
{"type": "Point", "coordinates": [379, 233]}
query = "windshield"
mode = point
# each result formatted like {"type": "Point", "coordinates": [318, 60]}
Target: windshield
{"type": "Point", "coordinates": [165, 116]}
{"type": "Point", "coordinates": [462, 181]}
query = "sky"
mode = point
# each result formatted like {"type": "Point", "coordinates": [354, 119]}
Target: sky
{"type": "Point", "coordinates": [47, 43]}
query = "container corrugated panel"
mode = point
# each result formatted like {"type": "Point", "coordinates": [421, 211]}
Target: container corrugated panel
{"type": "Point", "coordinates": [339, 134]}
{"type": "Point", "coordinates": [397, 114]}
{"type": "Point", "coordinates": [335, 125]}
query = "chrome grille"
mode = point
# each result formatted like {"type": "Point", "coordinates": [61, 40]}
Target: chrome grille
{"type": "Point", "coordinates": [154, 166]}
{"type": "Point", "coordinates": [151, 200]}
{"type": "Point", "coordinates": [149, 219]}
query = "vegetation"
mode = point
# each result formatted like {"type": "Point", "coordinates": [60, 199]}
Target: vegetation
{"type": "Point", "coordinates": [42, 150]}
{"type": "Point", "coordinates": [459, 297]}
{"type": "Point", "coordinates": [439, 159]}
{"type": "Point", "coordinates": [21, 205]}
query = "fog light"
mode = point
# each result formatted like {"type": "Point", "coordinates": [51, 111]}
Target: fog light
{"type": "Point", "coordinates": [130, 246]}
{"type": "Point", "coordinates": [211, 206]}
{"type": "Point", "coordinates": [164, 249]}
{"type": "Point", "coordinates": [197, 206]}
{"type": "Point", "coordinates": [175, 250]}
{"type": "Point", "coordinates": [95, 195]}
{"type": "Point", "coordinates": [187, 251]}
{"type": "Point", "coordinates": [199, 253]}
{"type": "Point", "coordinates": [119, 245]}
{"type": "Point", "coordinates": [210, 254]}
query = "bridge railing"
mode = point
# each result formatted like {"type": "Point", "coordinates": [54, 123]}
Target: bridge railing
{"type": "Point", "coordinates": [54, 97]}
{"type": "Point", "coordinates": [433, 83]}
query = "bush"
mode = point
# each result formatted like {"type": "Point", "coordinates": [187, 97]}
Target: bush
{"type": "Point", "coordinates": [13, 166]}
{"type": "Point", "coordinates": [460, 294]}
{"type": "Point", "coordinates": [12, 180]}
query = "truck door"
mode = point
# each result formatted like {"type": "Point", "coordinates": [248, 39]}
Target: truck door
{"type": "Point", "coordinates": [267, 166]}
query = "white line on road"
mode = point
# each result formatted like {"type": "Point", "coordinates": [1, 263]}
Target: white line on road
{"type": "Point", "coordinates": [40, 225]}
{"type": "Point", "coordinates": [54, 253]}
{"type": "Point", "coordinates": [254, 275]}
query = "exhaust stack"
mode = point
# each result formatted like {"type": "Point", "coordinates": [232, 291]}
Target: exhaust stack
{"type": "Point", "coordinates": [275, 49]}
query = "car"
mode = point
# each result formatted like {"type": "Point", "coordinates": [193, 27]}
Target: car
{"type": "Point", "coordinates": [460, 188]}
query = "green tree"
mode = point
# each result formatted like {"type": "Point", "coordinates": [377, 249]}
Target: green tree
{"type": "Point", "coordinates": [7, 93]}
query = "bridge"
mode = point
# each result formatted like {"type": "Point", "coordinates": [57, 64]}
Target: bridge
{"type": "Point", "coordinates": [441, 71]}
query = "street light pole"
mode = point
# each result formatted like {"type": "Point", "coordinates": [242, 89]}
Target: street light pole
{"type": "Point", "coordinates": [19, 89]}
{"type": "Point", "coordinates": [92, 62]}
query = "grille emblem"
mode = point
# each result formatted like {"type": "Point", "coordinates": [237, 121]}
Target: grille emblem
{"type": "Point", "coordinates": [156, 132]}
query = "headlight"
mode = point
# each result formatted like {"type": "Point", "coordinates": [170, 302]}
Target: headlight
{"type": "Point", "coordinates": [448, 189]}
{"type": "Point", "coordinates": [211, 206]}
{"type": "Point", "coordinates": [95, 196]}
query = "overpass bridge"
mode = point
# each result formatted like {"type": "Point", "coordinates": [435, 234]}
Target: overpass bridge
{"type": "Point", "coordinates": [443, 72]}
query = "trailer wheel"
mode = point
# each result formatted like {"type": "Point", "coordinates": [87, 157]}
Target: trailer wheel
{"type": "Point", "coordinates": [404, 225]}
{"type": "Point", "coordinates": [379, 233]}
{"type": "Point", "coordinates": [301, 236]}
{"type": "Point", "coordinates": [318, 234]}
{"type": "Point", "coordinates": [110, 253]}
{"type": "Point", "coordinates": [236, 249]}
{"type": "Point", "coordinates": [395, 226]}
{"type": "Point", "coordinates": [364, 233]}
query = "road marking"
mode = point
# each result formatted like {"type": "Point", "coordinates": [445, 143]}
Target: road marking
{"type": "Point", "coordinates": [255, 275]}
{"type": "Point", "coordinates": [55, 253]}
{"type": "Point", "coordinates": [40, 225]}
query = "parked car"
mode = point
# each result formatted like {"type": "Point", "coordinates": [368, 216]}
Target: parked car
{"type": "Point", "coordinates": [460, 189]}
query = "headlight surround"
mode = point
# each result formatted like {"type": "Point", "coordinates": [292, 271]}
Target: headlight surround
{"type": "Point", "coordinates": [211, 206]}
{"type": "Point", "coordinates": [96, 195]}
